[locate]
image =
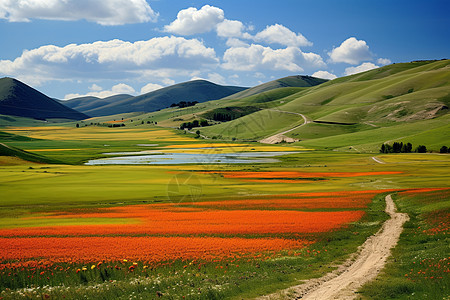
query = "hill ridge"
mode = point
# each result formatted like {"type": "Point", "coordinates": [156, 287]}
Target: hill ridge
{"type": "Point", "coordinates": [19, 99]}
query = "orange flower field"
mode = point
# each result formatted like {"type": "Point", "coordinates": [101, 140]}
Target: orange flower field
{"type": "Point", "coordinates": [197, 230]}
{"type": "Point", "coordinates": [145, 249]}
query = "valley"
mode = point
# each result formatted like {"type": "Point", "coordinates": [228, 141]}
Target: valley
{"type": "Point", "coordinates": [281, 185]}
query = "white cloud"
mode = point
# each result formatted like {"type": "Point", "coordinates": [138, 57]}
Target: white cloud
{"type": "Point", "coordinates": [230, 28]}
{"type": "Point", "coordinates": [324, 75]}
{"type": "Point", "coordinates": [233, 42]}
{"type": "Point", "coordinates": [216, 78]}
{"type": "Point", "coordinates": [192, 21]}
{"type": "Point", "coordinates": [95, 88]}
{"type": "Point", "coordinates": [384, 61]}
{"type": "Point", "coordinates": [111, 12]}
{"type": "Point", "coordinates": [161, 57]}
{"type": "Point", "coordinates": [257, 57]}
{"type": "Point", "coordinates": [123, 88]}
{"type": "Point", "coordinates": [120, 88]}
{"type": "Point", "coordinates": [351, 51]}
{"type": "Point", "coordinates": [279, 34]}
{"type": "Point", "coordinates": [150, 87]}
{"type": "Point", "coordinates": [168, 81]}
{"type": "Point", "coordinates": [361, 68]}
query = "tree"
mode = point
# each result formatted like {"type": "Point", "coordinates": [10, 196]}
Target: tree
{"type": "Point", "coordinates": [421, 149]}
{"type": "Point", "coordinates": [397, 147]}
{"type": "Point", "coordinates": [78, 125]}
{"type": "Point", "coordinates": [444, 149]}
{"type": "Point", "coordinates": [408, 148]}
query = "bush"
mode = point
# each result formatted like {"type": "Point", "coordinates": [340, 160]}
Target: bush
{"type": "Point", "coordinates": [444, 149]}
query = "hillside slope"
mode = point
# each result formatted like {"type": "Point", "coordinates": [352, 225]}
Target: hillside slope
{"type": "Point", "coordinates": [384, 100]}
{"type": "Point", "coordinates": [197, 90]}
{"type": "Point", "coordinates": [290, 81]}
{"type": "Point", "coordinates": [89, 103]}
{"type": "Point", "coordinates": [19, 99]}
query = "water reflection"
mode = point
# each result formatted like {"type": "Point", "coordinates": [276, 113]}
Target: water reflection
{"type": "Point", "coordinates": [162, 158]}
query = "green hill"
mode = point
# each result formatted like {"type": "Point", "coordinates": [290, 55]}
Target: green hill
{"type": "Point", "coordinates": [290, 81]}
{"type": "Point", "coordinates": [87, 104]}
{"type": "Point", "coordinates": [363, 109]}
{"type": "Point", "coordinates": [19, 99]}
{"type": "Point", "coordinates": [6, 150]}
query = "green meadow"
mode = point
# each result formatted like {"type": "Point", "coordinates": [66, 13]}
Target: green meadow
{"type": "Point", "coordinates": [60, 182]}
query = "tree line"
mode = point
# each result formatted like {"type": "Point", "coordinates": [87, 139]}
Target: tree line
{"type": "Point", "coordinates": [399, 147]}
{"type": "Point", "coordinates": [195, 123]}
{"type": "Point", "coordinates": [183, 104]}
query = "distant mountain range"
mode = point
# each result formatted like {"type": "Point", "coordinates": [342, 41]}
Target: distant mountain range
{"type": "Point", "coordinates": [196, 90]}
{"type": "Point", "coordinates": [19, 99]}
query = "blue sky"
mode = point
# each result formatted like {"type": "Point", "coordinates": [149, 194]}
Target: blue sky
{"type": "Point", "coordinates": [95, 47]}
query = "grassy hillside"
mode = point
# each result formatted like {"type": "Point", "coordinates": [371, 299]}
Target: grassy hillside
{"type": "Point", "coordinates": [399, 101]}
{"type": "Point", "coordinates": [6, 150]}
{"type": "Point", "coordinates": [290, 81]}
{"type": "Point", "coordinates": [19, 99]}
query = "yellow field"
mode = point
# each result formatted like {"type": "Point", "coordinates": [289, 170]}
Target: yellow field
{"type": "Point", "coordinates": [98, 133]}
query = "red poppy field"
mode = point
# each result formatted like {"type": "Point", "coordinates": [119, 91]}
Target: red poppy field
{"type": "Point", "coordinates": [198, 230]}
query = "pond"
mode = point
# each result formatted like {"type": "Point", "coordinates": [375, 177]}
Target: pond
{"type": "Point", "coordinates": [164, 158]}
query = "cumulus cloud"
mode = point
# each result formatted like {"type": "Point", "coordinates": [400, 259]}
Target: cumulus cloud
{"type": "Point", "coordinates": [258, 57]}
{"type": "Point", "coordinates": [324, 75]}
{"type": "Point", "coordinates": [192, 21]}
{"type": "Point", "coordinates": [361, 68]}
{"type": "Point", "coordinates": [384, 61]}
{"type": "Point", "coordinates": [120, 88]}
{"type": "Point", "coordinates": [161, 57]}
{"type": "Point", "coordinates": [233, 42]}
{"type": "Point", "coordinates": [111, 12]}
{"type": "Point", "coordinates": [168, 81]}
{"type": "Point", "coordinates": [150, 87]}
{"type": "Point", "coordinates": [351, 51]}
{"type": "Point", "coordinates": [95, 88]}
{"type": "Point", "coordinates": [230, 28]}
{"type": "Point", "coordinates": [279, 34]}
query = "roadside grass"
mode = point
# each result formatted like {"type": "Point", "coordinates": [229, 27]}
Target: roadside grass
{"type": "Point", "coordinates": [420, 265]}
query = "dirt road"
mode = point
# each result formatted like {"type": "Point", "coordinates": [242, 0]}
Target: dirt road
{"type": "Point", "coordinates": [363, 267]}
{"type": "Point", "coordinates": [279, 137]}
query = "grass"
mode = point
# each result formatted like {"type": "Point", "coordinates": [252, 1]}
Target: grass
{"type": "Point", "coordinates": [419, 266]}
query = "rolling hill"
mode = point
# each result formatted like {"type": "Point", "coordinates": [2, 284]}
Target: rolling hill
{"type": "Point", "coordinates": [89, 103]}
{"type": "Point", "coordinates": [19, 99]}
{"type": "Point", "coordinates": [290, 81]}
{"type": "Point", "coordinates": [395, 102]}
{"type": "Point", "coordinates": [196, 90]}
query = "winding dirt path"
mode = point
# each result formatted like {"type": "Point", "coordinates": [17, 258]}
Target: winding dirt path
{"type": "Point", "coordinates": [279, 137]}
{"type": "Point", "coordinates": [363, 267]}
